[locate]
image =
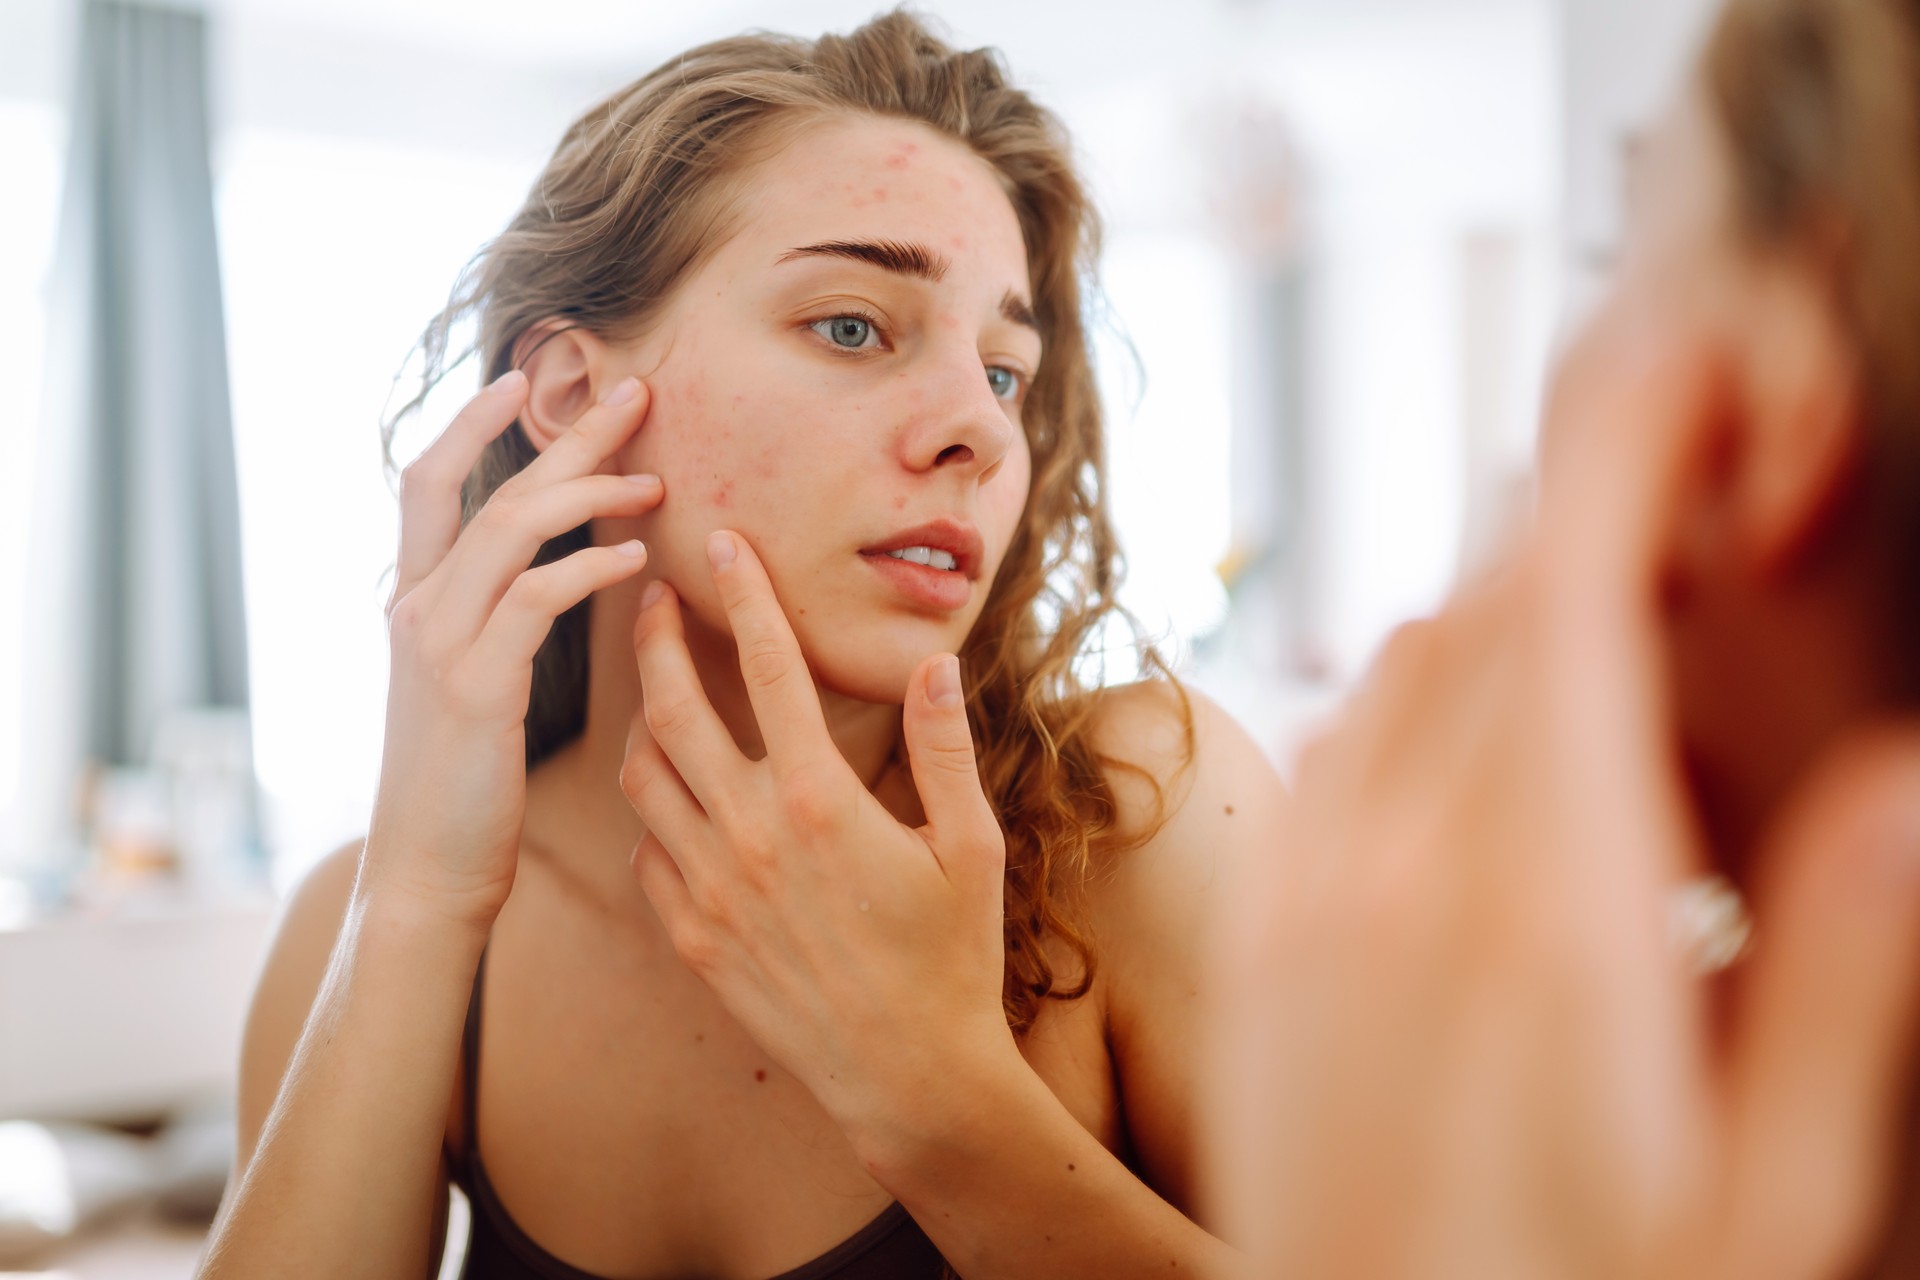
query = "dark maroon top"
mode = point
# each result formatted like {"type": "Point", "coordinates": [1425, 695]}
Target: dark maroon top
{"type": "Point", "coordinates": [891, 1247]}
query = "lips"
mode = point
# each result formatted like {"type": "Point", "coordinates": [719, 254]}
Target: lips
{"type": "Point", "coordinates": [913, 562]}
{"type": "Point", "coordinates": [952, 537]}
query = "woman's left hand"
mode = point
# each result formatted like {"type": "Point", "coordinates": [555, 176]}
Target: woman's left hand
{"type": "Point", "coordinates": [864, 955]}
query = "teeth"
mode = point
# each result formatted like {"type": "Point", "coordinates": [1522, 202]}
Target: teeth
{"type": "Point", "coordinates": [927, 556]}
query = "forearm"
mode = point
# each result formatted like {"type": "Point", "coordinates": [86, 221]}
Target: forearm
{"type": "Point", "coordinates": [343, 1178]}
{"type": "Point", "coordinates": [1009, 1185]}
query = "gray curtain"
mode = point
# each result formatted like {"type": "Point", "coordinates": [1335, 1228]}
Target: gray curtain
{"type": "Point", "coordinates": [138, 527]}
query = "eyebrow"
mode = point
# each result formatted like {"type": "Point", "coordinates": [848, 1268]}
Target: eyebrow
{"type": "Point", "coordinates": [889, 255]}
{"type": "Point", "coordinates": [908, 259]}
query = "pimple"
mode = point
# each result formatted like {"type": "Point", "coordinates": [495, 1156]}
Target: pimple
{"type": "Point", "coordinates": [879, 194]}
{"type": "Point", "coordinates": [899, 502]}
{"type": "Point", "coordinates": [723, 495]}
{"type": "Point", "coordinates": [898, 161]}
{"type": "Point", "coordinates": [959, 242]}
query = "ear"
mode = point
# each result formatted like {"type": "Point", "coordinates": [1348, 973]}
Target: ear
{"type": "Point", "coordinates": [568, 370]}
{"type": "Point", "coordinates": [1801, 429]}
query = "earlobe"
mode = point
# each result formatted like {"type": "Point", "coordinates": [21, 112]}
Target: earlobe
{"type": "Point", "coordinates": [564, 366]}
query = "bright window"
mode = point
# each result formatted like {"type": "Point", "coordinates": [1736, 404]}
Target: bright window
{"type": "Point", "coordinates": [335, 253]}
{"type": "Point", "coordinates": [31, 136]}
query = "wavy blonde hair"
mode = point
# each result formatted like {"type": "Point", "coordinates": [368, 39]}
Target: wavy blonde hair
{"type": "Point", "coordinates": [1818, 105]}
{"type": "Point", "coordinates": [640, 190]}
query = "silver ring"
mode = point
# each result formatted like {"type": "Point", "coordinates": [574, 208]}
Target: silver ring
{"type": "Point", "coordinates": [1708, 923]}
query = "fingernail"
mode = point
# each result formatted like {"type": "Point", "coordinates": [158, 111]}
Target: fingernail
{"type": "Point", "coordinates": [623, 391]}
{"type": "Point", "coordinates": [720, 551]}
{"type": "Point", "coordinates": [509, 380]}
{"type": "Point", "coordinates": [645, 482]}
{"type": "Point", "coordinates": [943, 682]}
{"type": "Point", "coordinates": [652, 594]}
{"type": "Point", "coordinates": [634, 548]}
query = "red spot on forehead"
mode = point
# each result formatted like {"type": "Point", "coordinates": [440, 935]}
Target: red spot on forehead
{"type": "Point", "coordinates": [895, 162]}
{"type": "Point", "coordinates": [879, 194]}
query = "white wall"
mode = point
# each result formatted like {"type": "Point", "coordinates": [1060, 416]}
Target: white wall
{"type": "Point", "coordinates": [1624, 60]}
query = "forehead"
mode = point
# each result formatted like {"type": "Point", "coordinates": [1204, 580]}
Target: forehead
{"type": "Point", "coordinates": [861, 177]}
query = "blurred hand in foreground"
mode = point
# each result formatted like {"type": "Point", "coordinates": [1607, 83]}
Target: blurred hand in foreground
{"type": "Point", "coordinates": [1456, 1036]}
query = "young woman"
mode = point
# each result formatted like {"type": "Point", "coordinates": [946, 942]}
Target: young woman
{"type": "Point", "coordinates": [713, 919]}
{"type": "Point", "coordinates": [1468, 1033]}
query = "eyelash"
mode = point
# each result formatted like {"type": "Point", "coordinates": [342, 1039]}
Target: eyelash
{"type": "Point", "coordinates": [1023, 380]}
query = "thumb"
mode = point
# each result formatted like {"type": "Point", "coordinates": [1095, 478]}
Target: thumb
{"type": "Point", "coordinates": [940, 752]}
{"type": "Point", "coordinates": [1824, 1019]}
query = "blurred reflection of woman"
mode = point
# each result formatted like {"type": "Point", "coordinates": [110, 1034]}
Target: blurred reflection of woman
{"type": "Point", "coordinates": [1466, 1035]}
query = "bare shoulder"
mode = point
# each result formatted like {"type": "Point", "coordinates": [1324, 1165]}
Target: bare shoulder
{"type": "Point", "coordinates": [1202, 804]}
{"type": "Point", "coordinates": [295, 966]}
{"type": "Point", "coordinates": [1198, 796]}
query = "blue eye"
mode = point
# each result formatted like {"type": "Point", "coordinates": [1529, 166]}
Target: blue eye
{"type": "Point", "coordinates": [845, 331]}
{"type": "Point", "coordinates": [1005, 382]}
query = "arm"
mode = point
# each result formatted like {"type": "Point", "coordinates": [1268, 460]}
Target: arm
{"type": "Point", "coordinates": [341, 1175]}
{"type": "Point", "coordinates": [346, 1071]}
{"type": "Point", "coordinates": [1003, 1154]}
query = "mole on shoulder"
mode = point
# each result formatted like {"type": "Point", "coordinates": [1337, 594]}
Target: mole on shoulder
{"type": "Point", "coordinates": [760, 1074]}
{"type": "Point", "coordinates": [1229, 811]}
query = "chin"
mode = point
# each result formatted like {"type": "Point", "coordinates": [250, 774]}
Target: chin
{"type": "Point", "coordinates": [873, 665]}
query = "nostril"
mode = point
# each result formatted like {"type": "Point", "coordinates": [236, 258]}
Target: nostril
{"type": "Point", "coordinates": [954, 453]}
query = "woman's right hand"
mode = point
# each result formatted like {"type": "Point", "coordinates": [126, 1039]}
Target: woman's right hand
{"type": "Point", "coordinates": [466, 618]}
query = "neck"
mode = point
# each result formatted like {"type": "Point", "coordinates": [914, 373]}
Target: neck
{"type": "Point", "coordinates": [576, 812]}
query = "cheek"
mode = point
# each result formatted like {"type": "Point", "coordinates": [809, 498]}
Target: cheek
{"type": "Point", "coordinates": [1005, 499]}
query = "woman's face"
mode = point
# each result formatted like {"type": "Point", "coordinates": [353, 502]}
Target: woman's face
{"type": "Point", "coordinates": [843, 380]}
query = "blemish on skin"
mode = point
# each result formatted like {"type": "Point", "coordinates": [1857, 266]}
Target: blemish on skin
{"type": "Point", "coordinates": [897, 162]}
{"type": "Point", "coordinates": [1229, 811]}
{"type": "Point", "coordinates": [899, 502]}
{"type": "Point", "coordinates": [1069, 1168]}
{"type": "Point", "coordinates": [699, 1037]}
{"type": "Point", "coordinates": [760, 1075]}
{"type": "Point", "coordinates": [879, 195]}
{"type": "Point", "coordinates": [723, 495]}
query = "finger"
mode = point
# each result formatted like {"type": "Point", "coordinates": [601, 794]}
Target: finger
{"type": "Point", "coordinates": [1628, 417]}
{"type": "Point", "coordinates": [674, 711]}
{"type": "Point", "coordinates": [589, 442]}
{"type": "Point", "coordinates": [505, 536]}
{"type": "Point", "coordinates": [430, 484]}
{"type": "Point", "coordinates": [785, 702]}
{"type": "Point", "coordinates": [960, 820]}
{"type": "Point", "coordinates": [1823, 1039]}
{"type": "Point", "coordinates": [660, 796]}
{"type": "Point", "coordinates": [666, 890]}
{"type": "Point", "coordinates": [518, 627]}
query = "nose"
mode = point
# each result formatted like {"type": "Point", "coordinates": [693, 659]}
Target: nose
{"type": "Point", "coordinates": [959, 425]}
